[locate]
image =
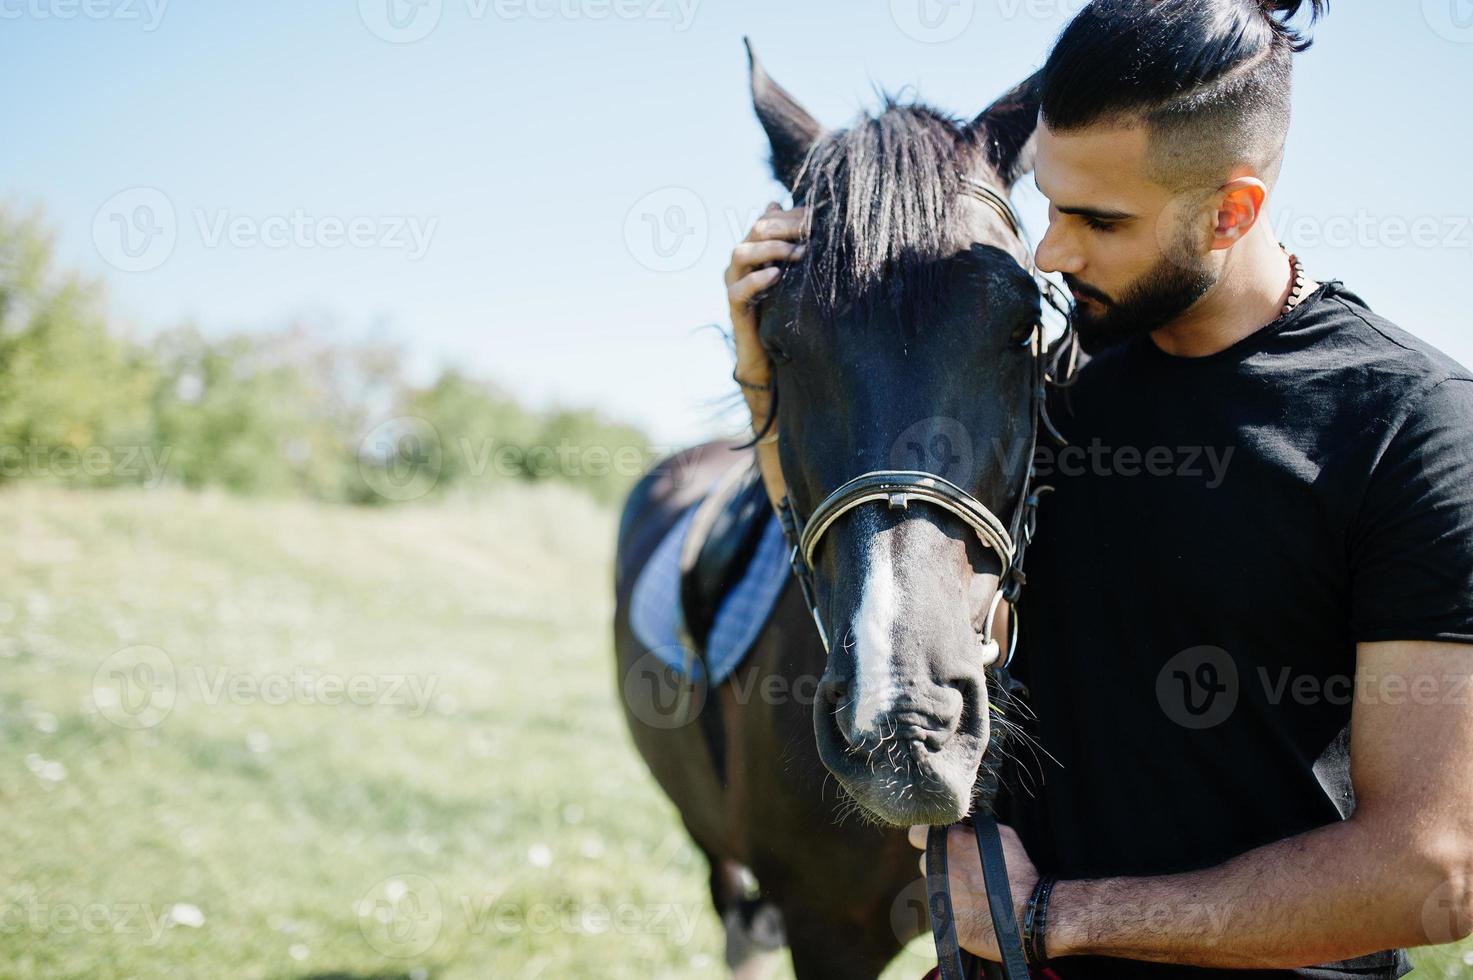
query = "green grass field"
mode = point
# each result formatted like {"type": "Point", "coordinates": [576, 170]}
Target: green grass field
{"type": "Point", "coordinates": [282, 740]}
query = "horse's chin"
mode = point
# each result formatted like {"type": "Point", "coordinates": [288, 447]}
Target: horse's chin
{"type": "Point", "coordinates": [904, 783]}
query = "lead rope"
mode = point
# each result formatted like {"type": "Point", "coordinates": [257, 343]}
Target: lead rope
{"type": "Point", "coordinates": [938, 901]}
{"type": "Point", "coordinates": [953, 961]}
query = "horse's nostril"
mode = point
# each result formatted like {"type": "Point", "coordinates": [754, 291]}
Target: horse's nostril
{"type": "Point", "coordinates": [971, 686]}
{"type": "Point", "coordinates": [834, 691]}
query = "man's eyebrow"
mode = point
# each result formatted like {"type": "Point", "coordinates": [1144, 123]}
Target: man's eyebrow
{"type": "Point", "coordinates": [1098, 214]}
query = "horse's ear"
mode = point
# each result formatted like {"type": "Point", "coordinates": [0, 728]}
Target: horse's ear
{"type": "Point", "coordinates": [1007, 128]}
{"type": "Point", "coordinates": [790, 129]}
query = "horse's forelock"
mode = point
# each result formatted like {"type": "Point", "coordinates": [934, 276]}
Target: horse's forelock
{"type": "Point", "coordinates": [882, 196]}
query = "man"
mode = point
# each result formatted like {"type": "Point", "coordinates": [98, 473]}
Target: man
{"type": "Point", "coordinates": [1248, 626]}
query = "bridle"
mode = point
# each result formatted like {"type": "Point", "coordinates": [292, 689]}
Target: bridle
{"type": "Point", "coordinates": [1009, 540]}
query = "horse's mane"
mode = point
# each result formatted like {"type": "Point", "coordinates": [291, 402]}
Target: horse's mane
{"type": "Point", "coordinates": [882, 196]}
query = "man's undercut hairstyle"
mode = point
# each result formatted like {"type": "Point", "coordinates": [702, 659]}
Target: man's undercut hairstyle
{"type": "Point", "coordinates": [1210, 78]}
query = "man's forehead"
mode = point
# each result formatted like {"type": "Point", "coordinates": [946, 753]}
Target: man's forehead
{"type": "Point", "coordinates": [1094, 165]}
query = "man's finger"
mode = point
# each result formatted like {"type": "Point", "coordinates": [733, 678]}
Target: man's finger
{"type": "Point", "coordinates": [750, 286]}
{"type": "Point", "coordinates": [917, 836]}
{"type": "Point", "coordinates": [782, 225]}
{"type": "Point", "coordinates": [753, 254]}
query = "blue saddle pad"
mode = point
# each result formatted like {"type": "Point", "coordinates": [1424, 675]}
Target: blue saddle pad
{"type": "Point", "coordinates": [654, 605]}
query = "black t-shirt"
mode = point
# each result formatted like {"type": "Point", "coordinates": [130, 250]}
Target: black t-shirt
{"type": "Point", "coordinates": [1222, 534]}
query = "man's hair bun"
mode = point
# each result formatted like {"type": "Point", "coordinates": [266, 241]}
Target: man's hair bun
{"type": "Point", "coordinates": [1281, 12]}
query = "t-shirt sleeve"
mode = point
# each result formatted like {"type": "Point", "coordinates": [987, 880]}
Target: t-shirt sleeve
{"type": "Point", "coordinates": [1411, 549]}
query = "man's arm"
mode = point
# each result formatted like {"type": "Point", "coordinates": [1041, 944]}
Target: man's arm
{"type": "Point", "coordinates": [1399, 872]}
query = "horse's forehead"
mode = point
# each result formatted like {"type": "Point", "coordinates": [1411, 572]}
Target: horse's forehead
{"type": "Point", "coordinates": [980, 224]}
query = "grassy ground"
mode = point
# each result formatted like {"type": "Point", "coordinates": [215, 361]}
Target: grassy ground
{"type": "Point", "coordinates": [279, 740]}
{"type": "Point", "coordinates": [251, 739]}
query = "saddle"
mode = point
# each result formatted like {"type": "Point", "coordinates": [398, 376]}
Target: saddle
{"type": "Point", "coordinates": [724, 533]}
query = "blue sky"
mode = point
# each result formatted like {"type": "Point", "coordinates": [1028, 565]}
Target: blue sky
{"type": "Point", "coordinates": [545, 191]}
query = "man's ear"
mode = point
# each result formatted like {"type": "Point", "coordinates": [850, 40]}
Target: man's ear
{"type": "Point", "coordinates": [791, 131]}
{"type": "Point", "coordinates": [1007, 127]}
{"type": "Point", "coordinates": [1239, 205]}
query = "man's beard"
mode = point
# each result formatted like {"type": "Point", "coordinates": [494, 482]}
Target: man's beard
{"type": "Point", "coordinates": [1162, 295]}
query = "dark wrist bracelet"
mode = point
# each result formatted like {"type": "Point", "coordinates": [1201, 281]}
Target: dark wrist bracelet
{"type": "Point", "coordinates": [1035, 922]}
{"type": "Point", "coordinates": [749, 386]}
{"type": "Point", "coordinates": [1030, 919]}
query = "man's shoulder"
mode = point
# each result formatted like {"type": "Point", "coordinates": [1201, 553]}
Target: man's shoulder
{"type": "Point", "coordinates": [1394, 388]}
{"type": "Point", "coordinates": [1375, 348]}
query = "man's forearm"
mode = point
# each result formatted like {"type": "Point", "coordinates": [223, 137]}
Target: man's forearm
{"type": "Point", "coordinates": [1337, 892]}
{"type": "Point", "coordinates": [758, 403]}
{"type": "Point", "coordinates": [772, 473]}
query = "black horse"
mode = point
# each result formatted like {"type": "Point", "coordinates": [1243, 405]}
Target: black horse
{"type": "Point", "coordinates": [900, 341]}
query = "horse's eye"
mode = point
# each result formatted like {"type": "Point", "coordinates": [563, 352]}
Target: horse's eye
{"type": "Point", "coordinates": [772, 342]}
{"type": "Point", "coordinates": [1023, 332]}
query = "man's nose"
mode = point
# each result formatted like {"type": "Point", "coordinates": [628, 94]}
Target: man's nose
{"type": "Point", "coordinates": [1056, 254]}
